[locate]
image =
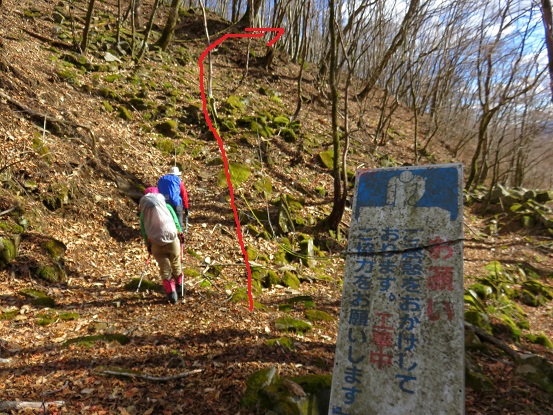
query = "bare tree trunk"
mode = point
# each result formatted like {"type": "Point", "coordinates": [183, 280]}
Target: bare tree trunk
{"type": "Point", "coordinates": [302, 64]}
{"type": "Point", "coordinates": [338, 206]}
{"type": "Point", "coordinates": [210, 72]}
{"type": "Point", "coordinates": [234, 15]}
{"type": "Point", "coordinates": [118, 35]}
{"type": "Point", "coordinates": [148, 31]}
{"type": "Point", "coordinates": [252, 10]}
{"type": "Point", "coordinates": [169, 29]}
{"type": "Point", "coordinates": [86, 30]}
{"type": "Point", "coordinates": [547, 17]}
{"type": "Point", "coordinates": [394, 46]}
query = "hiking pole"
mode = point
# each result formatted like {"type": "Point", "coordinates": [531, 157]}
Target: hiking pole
{"type": "Point", "coordinates": [143, 272]}
{"type": "Point", "coordinates": [182, 258]}
{"type": "Point", "coordinates": [182, 271]}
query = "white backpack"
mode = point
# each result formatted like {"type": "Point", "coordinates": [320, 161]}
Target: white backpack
{"type": "Point", "coordinates": [158, 221]}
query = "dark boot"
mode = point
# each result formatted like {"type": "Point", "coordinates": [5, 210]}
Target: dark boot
{"type": "Point", "coordinates": [169, 286]}
{"type": "Point", "coordinates": [179, 281]}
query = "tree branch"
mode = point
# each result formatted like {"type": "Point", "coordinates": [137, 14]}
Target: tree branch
{"type": "Point", "coordinates": [19, 405]}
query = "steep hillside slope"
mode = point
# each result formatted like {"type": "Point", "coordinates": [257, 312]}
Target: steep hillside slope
{"type": "Point", "coordinates": [68, 198]}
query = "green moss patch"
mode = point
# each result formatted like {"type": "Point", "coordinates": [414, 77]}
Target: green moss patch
{"type": "Point", "coordinates": [291, 280]}
{"type": "Point", "coordinates": [56, 249]}
{"type": "Point", "coordinates": [51, 273]}
{"type": "Point", "coordinates": [306, 300]}
{"type": "Point", "coordinates": [45, 319]}
{"type": "Point", "coordinates": [146, 285]}
{"type": "Point", "coordinates": [254, 383]}
{"type": "Point", "coordinates": [124, 113]}
{"type": "Point", "coordinates": [9, 315]}
{"type": "Point", "coordinates": [292, 325]}
{"type": "Point", "coordinates": [540, 339]}
{"type": "Point", "coordinates": [38, 297]}
{"type": "Point", "coordinates": [168, 128]}
{"type": "Point", "coordinates": [285, 342]}
{"type": "Point", "coordinates": [318, 315]}
{"type": "Point", "coordinates": [7, 252]}
{"type": "Point", "coordinates": [88, 341]}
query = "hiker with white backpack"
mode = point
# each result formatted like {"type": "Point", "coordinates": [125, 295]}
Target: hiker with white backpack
{"type": "Point", "coordinates": [172, 187]}
{"type": "Point", "coordinates": [162, 233]}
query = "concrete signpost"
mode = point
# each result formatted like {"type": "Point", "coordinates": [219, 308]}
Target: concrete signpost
{"type": "Point", "coordinates": [400, 347]}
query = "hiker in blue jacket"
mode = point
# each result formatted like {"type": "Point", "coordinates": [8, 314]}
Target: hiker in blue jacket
{"type": "Point", "coordinates": [172, 187]}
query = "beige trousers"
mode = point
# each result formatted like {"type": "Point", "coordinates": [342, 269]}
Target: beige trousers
{"type": "Point", "coordinates": [168, 258]}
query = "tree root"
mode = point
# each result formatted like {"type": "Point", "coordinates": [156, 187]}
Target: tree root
{"type": "Point", "coordinates": [150, 377]}
{"type": "Point", "coordinates": [483, 335]}
{"type": "Point", "coordinates": [52, 42]}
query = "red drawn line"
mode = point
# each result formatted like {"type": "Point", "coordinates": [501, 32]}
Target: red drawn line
{"type": "Point", "coordinates": [280, 32]}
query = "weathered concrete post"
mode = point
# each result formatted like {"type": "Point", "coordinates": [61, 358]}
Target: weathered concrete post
{"type": "Point", "coordinates": [400, 347]}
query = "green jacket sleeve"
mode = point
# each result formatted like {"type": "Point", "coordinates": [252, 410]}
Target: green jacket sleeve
{"type": "Point", "coordinates": [143, 230]}
{"type": "Point", "coordinates": [174, 215]}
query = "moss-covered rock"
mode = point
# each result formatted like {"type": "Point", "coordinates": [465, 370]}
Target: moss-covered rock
{"type": "Point", "coordinates": [306, 300]}
{"type": "Point", "coordinates": [254, 383]}
{"type": "Point", "coordinates": [288, 135]}
{"type": "Point", "coordinates": [168, 128]}
{"type": "Point", "coordinates": [286, 343]}
{"type": "Point", "coordinates": [478, 319]}
{"type": "Point", "coordinates": [55, 249]}
{"type": "Point", "coordinates": [317, 315]}
{"type": "Point", "coordinates": [475, 379]}
{"type": "Point", "coordinates": [273, 278]}
{"type": "Point", "coordinates": [538, 289]}
{"type": "Point", "coordinates": [233, 104]}
{"type": "Point", "coordinates": [191, 272]}
{"type": "Point", "coordinates": [506, 326]}
{"type": "Point", "coordinates": [537, 370]}
{"type": "Point", "coordinates": [38, 298]}
{"type": "Point", "coordinates": [89, 341]}
{"type": "Point", "coordinates": [107, 106]}
{"type": "Point", "coordinates": [8, 252]}
{"type": "Point", "coordinates": [58, 195]}
{"type": "Point", "coordinates": [44, 319]}
{"type": "Point", "coordinates": [146, 285]}
{"type": "Point", "coordinates": [166, 146]}
{"type": "Point", "coordinates": [305, 395]}
{"type": "Point", "coordinates": [483, 291]}
{"type": "Point", "coordinates": [69, 316]}
{"type": "Point", "coordinates": [290, 324]}
{"type": "Point", "coordinates": [241, 295]}
{"type": "Point", "coordinates": [307, 253]}
{"type": "Point", "coordinates": [289, 279]}
{"type": "Point", "coordinates": [53, 273]}
{"type": "Point", "coordinates": [540, 338]}
{"type": "Point", "coordinates": [123, 112]}
{"type": "Point", "coordinates": [140, 104]}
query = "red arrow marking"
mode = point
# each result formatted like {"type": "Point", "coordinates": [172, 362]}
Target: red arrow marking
{"type": "Point", "coordinates": [279, 31]}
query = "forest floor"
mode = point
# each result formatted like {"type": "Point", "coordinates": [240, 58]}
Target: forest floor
{"type": "Point", "coordinates": [209, 344]}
